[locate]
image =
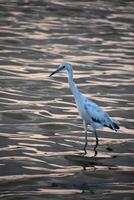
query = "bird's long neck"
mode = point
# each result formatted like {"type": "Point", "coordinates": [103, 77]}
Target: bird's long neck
{"type": "Point", "coordinates": [72, 84]}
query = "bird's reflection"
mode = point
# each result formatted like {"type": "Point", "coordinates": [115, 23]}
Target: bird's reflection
{"type": "Point", "coordinates": [87, 161]}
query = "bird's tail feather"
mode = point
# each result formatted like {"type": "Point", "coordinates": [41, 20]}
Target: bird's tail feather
{"type": "Point", "coordinates": [114, 126]}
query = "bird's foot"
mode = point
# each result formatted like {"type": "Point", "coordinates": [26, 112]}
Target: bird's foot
{"type": "Point", "coordinates": [95, 152]}
{"type": "Point", "coordinates": [84, 153]}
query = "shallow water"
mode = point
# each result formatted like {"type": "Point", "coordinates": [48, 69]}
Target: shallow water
{"type": "Point", "coordinates": [41, 134]}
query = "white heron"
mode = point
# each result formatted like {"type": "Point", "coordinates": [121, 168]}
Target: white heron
{"type": "Point", "coordinates": [89, 111]}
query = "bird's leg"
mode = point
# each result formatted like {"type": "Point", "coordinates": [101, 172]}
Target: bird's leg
{"type": "Point", "coordinates": [85, 132]}
{"type": "Point", "coordinates": [97, 141]}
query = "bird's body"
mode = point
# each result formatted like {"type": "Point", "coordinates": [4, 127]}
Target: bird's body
{"type": "Point", "coordinates": [93, 114]}
{"type": "Point", "coordinates": [89, 111]}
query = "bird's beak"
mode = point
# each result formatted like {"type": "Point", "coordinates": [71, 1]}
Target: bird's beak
{"type": "Point", "coordinates": [54, 72]}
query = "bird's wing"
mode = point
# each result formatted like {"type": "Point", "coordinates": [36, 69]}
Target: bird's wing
{"type": "Point", "coordinates": [97, 115]}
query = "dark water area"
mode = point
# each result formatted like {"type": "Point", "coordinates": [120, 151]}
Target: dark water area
{"type": "Point", "coordinates": [41, 133]}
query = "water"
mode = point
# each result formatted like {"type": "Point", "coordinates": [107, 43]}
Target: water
{"type": "Point", "coordinates": [41, 134]}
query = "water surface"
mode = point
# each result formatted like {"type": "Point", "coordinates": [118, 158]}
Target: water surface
{"type": "Point", "coordinates": [41, 133]}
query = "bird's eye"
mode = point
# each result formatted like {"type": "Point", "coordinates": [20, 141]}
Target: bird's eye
{"type": "Point", "coordinates": [63, 67]}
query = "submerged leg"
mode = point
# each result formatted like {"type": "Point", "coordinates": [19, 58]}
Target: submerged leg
{"type": "Point", "coordinates": [97, 141]}
{"type": "Point", "coordinates": [85, 132]}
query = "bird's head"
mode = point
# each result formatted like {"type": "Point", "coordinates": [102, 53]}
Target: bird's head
{"type": "Point", "coordinates": [63, 66]}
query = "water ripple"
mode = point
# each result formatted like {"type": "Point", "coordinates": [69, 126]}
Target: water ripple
{"type": "Point", "coordinates": [41, 132]}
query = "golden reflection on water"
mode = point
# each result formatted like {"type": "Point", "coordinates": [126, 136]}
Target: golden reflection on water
{"type": "Point", "coordinates": [61, 191]}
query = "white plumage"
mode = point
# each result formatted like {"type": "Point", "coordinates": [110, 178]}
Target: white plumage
{"type": "Point", "coordinates": [89, 111]}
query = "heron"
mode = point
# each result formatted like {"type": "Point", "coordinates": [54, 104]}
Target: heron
{"type": "Point", "coordinates": [91, 113]}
